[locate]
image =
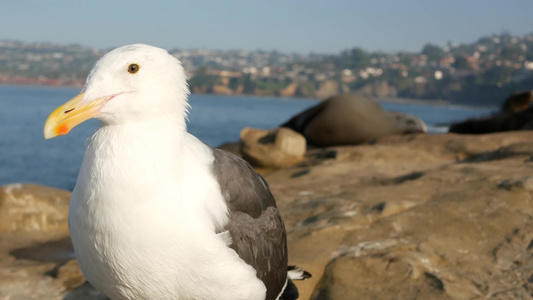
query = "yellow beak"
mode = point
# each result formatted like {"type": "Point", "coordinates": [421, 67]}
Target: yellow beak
{"type": "Point", "coordinates": [71, 114]}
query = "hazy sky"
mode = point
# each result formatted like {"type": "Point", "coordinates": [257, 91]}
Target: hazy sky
{"type": "Point", "coordinates": [288, 26]}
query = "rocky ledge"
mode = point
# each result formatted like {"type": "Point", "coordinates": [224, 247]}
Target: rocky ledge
{"type": "Point", "coordinates": [405, 217]}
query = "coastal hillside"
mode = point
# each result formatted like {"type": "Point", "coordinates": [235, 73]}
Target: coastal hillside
{"type": "Point", "coordinates": [405, 217]}
{"type": "Point", "coordinates": [483, 72]}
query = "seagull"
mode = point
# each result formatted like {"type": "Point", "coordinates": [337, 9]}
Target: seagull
{"type": "Point", "coordinates": [156, 213]}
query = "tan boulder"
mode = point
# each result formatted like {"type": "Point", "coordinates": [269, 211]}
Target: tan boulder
{"type": "Point", "coordinates": [28, 207]}
{"type": "Point", "coordinates": [35, 250]}
{"type": "Point", "coordinates": [273, 148]}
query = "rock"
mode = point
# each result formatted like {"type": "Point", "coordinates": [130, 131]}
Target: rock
{"type": "Point", "coordinates": [34, 243]}
{"type": "Point", "coordinates": [406, 217]}
{"type": "Point", "coordinates": [525, 183]}
{"type": "Point", "coordinates": [31, 207]}
{"type": "Point", "coordinates": [85, 292]}
{"type": "Point", "coordinates": [32, 267]}
{"type": "Point", "coordinates": [274, 148]}
{"type": "Point", "coordinates": [413, 217]}
{"type": "Point", "coordinates": [70, 275]}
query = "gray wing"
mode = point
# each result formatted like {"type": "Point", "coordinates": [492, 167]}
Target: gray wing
{"type": "Point", "coordinates": [255, 225]}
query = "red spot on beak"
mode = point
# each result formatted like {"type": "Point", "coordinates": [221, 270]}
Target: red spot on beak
{"type": "Point", "coordinates": [62, 130]}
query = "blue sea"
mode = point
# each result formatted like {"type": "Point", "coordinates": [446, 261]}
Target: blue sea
{"type": "Point", "coordinates": [26, 157]}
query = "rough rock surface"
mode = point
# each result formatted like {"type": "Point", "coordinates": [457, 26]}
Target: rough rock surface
{"type": "Point", "coordinates": [275, 148]}
{"type": "Point", "coordinates": [407, 217]}
{"type": "Point", "coordinates": [36, 257]}
{"type": "Point", "coordinates": [28, 207]}
{"type": "Point", "coordinates": [413, 217]}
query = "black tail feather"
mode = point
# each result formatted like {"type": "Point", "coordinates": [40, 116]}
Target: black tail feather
{"type": "Point", "coordinates": [290, 292]}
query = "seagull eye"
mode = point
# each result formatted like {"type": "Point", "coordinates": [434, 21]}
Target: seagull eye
{"type": "Point", "coordinates": [133, 68]}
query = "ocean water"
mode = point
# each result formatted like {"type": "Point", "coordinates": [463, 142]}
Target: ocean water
{"type": "Point", "coordinates": [25, 156]}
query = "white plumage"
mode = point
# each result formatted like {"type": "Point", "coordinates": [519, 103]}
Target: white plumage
{"type": "Point", "coordinates": [145, 202]}
{"type": "Point", "coordinates": [148, 217]}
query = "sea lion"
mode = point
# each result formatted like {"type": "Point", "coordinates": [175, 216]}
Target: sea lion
{"type": "Point", "coordinates": [517, 102]}
{"type": "Point", "coordinates": [487, 124]}
{"type": "Point", "coordinates": [402, 123]}
{"type": "Point", "coordinates": [515, 114]}
{"type": "Point", "coordinates": [522, 120]}
{"type": "Point", "coordinates": [350, 119]}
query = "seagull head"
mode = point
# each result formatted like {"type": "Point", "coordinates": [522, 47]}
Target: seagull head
{"type": "Point", "coordinates": [133, 83]}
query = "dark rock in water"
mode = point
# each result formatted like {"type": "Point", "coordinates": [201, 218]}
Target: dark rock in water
{"type": "Point", "coordinates": [517, 102]}
{"type": "Point", "coordinates": [351, 119]}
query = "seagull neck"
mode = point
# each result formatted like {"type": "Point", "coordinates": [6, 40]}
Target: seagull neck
{"type": "Point", "coordinates": [167, 131]}
{"type": "Point", "coordinates": [162, 122]}
{"type": "Point", "coordinates": [125, 156]}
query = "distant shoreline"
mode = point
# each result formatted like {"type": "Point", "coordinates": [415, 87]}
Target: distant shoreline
{"type": "Point", "coordinates": [393, 100]}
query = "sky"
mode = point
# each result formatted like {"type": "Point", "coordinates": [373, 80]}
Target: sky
{"type": "Point", "coordinates": [289, 26]}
